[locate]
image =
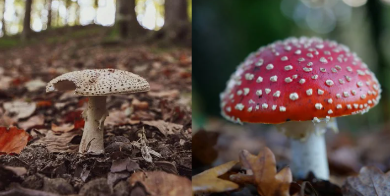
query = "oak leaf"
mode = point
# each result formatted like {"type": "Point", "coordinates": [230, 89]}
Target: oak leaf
{"type": "Point", "coordinates": [370, 181]}
{"type": "Point", "coordinates": [208, 180]}
{"type": "Point", "coordinates": [261, 171]}
{"type": "Point", "coordinates": [13, 140]}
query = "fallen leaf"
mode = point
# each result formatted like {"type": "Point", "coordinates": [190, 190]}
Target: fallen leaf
{"type": "Point", "coordinates": [261, 171]}
{"type": "Point", "coordinates": [59, 142]}
{"type": "Point", "coordinates": [159, 183]}
{"type": "Point", "coordinates": [20, 171]}
{"type": "Point", "coordinates": [124, 165]}
{"type": "Point", "coordinates": [62, 128]}
{"type": "Point", "coordinates": [33, 121]}
{"type": "Point", "coordinates": [34, 85]}
{"type": "Point", "coordinates": [140, 105]}
{"type": "Point", "coordinates": [370, 181]}
{"type": "Point", "coordinates": [13, 140]}
{"type": "Point", "coordinates": [166, 128]}
{"type": "Point", "coordinates": [116, 117]}
{"type": "Point", "coordinates": [44, 103]}
{"type": "Point", "coordinates": [208, 181]}
{"type": "Point", "coordinates": [165, 94]}
{"type": "Point", "coordinates": [21, 109]}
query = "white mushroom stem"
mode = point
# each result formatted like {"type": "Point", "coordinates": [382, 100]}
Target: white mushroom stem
{"type": "Point", "coordinates": [94, 116]}
{"type": "Point", "coordinates": [308, 146]}
{"type": "Point", "coordinates": [310, 155]}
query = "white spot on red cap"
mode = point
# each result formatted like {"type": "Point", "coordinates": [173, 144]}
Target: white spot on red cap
{"type": "Point", "coordinates": [309, 91]}
{"type": "Point", "coordinates": [259, 79]}
{"type": "Point", "coordinates": [329, 82]}
{"type": "Point", "coordinates": [269, 67]}
{"type": "Point", "coordinates": [294, 96]}
{"type": "Point", "coordinates": [288, 67]}
{"type": "Point", "coordinates": [273, 78]}
{"type": "Point", "coordinates": [318, 106]}
{"type": "Point", "coordinates": [277, 94]}
{"type": "Point", "coordinates": [246, 91]}
{"type": "Point", "coordinates": [239, 106]}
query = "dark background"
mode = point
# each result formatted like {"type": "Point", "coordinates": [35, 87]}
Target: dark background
{"type": "Point", "coordinates": [225, 32]}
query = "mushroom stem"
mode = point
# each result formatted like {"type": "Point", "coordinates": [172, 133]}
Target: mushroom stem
{"type": "Point", "coordinates": [94, 116]}
{"type": "Point", "coordinates": [310, 155]}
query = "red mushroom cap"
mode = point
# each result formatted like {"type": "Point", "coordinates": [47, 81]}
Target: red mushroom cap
{"type": "Point", "coordinates": [299, 79]}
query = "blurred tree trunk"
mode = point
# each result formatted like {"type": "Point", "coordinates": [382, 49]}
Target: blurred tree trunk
{"type": "Point", "coordinates": [375, 13]}
{"type": "Point", "coordinates": [96, 6]}
{"type": "Point", "coordinates": [3, 28]}
{"type": "Point", "coordinates": [49, 11]}
{"type": "Point", "coordinates": [77, 18]}
{"type": "Point", "coordinates": [68, 3]}
{"type": "Point", "coordinates": [27, 20]}
{"type": "Point", "coordinates": [177, 25]}
{"type": "Point", "coordinates": [126, 19]}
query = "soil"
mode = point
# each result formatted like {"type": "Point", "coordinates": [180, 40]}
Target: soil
{"type": "Point", "coordinates": [50, 163]}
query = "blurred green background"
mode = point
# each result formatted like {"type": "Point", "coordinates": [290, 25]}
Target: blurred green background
{"type": "Point", "coordinates": [225, 32]}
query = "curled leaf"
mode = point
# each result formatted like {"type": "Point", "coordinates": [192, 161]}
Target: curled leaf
{"type": "Point", "coordinates": [208, 180]}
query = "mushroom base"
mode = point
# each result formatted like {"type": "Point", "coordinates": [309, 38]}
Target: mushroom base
{"type": "Point", "coordinates": [310, 156]}
{"type": "Point", "coordinates": [94, 116]}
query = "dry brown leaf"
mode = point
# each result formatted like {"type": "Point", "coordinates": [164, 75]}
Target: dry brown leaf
{"type": "Point", "coordinates": [59, 142]}
{"type": "Point", "coordinates": [165, 128]}
{"type": "Point", "coordinates": [32, 122]}
{"type": "Point", "coordinates": [139, 105]}
{"type": "Point", "coordinates": [208, 181]}
{"type": "Point", "coordinates": [159, 183]}
{"type": "Point", "coordinates": [62, 128]}
{"type": "Point", "coordinates": [116, 117]}
{"type": "Point", "coordinates": [370, 181]}
{"type": "Point", "coordinates": [13, 140]}
{"type": "Point", "coordinates": [167, 94]}
{"type": "Point", "coordinates": [34, 85]}
{"type": "Point", "coordinates": [264, 176]}
{"type": "Point", "coordinates": [21, 109]}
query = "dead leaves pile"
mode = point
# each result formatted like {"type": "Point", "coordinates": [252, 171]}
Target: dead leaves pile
{"type": "Point", "coordinates": [261, 172]}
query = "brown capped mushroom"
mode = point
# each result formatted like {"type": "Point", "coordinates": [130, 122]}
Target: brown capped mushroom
{"type": "Point", "coordinates": [96, 84]}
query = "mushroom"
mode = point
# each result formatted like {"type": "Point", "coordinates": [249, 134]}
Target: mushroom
{"type": "Point", "coordinates": [96, 84]}
{"type": "Point", "coordinates": [301, 85]}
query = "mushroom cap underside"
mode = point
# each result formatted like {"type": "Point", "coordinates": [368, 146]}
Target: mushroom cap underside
{"type": "Point", "coordinates": [299, 79]}
{"type": "Point", "coordinates": [99, 82]}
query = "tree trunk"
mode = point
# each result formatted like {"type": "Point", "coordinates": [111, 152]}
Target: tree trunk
{"type": "Point", "coordinates": [49, 11]}
{"type": "Point", "coordinates": [27, 20]}
{"type": "Point", "coordinates": [177, 25]}
{"type": "Point", "coordinates": [3, 27]}
{"type": "Point", "coordinates": [126, 19]}
{"type": "Point", "coordinates": [77, 18]}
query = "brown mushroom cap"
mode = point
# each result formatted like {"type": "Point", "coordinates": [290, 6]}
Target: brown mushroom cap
{"type": "Point", "coordinates": [99, 82]}
{"type": "Point", "coordinates": [299, 79]}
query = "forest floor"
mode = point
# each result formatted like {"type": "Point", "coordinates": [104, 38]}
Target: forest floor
{"type": "Point", "coordinates": [359, 162]}
{"type": "Point", "coordinates": [144, 132]}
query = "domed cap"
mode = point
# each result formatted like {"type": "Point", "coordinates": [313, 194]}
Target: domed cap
{"type": "Point", "coordinates": [299, 80]}
{"type": "Point", "coordinates": [99, 82]}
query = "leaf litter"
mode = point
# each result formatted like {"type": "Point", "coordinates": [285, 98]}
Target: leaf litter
{"type": "Point", "coordinates": [55, 124]}
{"type": "Point", "coordinates": [345, 154]}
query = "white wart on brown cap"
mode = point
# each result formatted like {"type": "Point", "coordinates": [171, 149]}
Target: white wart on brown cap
{"type": "Point", "coordinates": [99, 82]}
